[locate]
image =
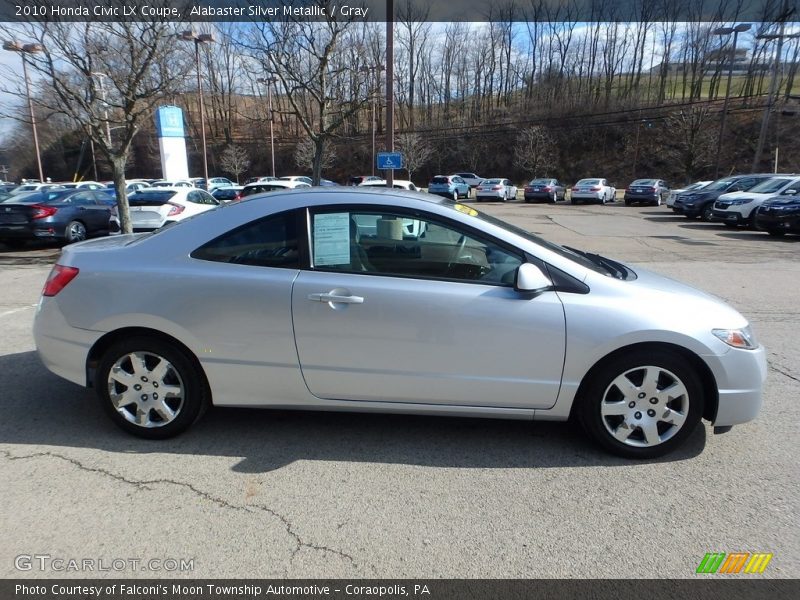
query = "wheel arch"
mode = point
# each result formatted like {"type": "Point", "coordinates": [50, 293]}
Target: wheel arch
{"type": "Point", "coordinates": [105, 342]}
{"type": "Point", "coordinates": [709, 383]}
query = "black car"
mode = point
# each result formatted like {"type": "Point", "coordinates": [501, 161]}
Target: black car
{"type": "Point", "coordinates": [359, 179]}
{"type": "Point", "coordinates": [649, 191]}
{"type": "Point", "coordinates": [57, 215]}
{"type": "Point", "coordinates": [780, 215]}
{"type": "Point", "coordinates": [547, 189]}
{"type": "Point", "coordinates": [700, 203]}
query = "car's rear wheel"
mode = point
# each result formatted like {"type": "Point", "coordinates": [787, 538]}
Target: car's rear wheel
{"type": "Point", "coordinates": [641, 405]}
{"type": "Point", "coordinates": [555, 197]}
{"type": "Point", "coordinates": [455, 195]}
{"type": "Point", "coordinates": [707, 212]}
{"type": "Point", "coordinates": [75, 232]}
{"type": "Point", "coordinates": [150, 387]}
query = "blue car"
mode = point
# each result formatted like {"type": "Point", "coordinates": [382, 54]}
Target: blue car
{"type": "Point", "coordinates": [449, 186]}
{"type": "Point", "coordinates": [58, 215]}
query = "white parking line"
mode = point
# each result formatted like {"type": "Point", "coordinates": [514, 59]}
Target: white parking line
{"type": "Point", "coordinates": [16, 310]}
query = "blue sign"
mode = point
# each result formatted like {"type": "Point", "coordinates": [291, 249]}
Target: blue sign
{"type": "Point", "coordinates": [389, 161]}
{"type": "Point", "coordinates": [169, 122]}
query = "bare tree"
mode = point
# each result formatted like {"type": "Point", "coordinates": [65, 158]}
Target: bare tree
{"type": "Point", "coordinates": [692, 141]}
{"type": "Point", "coordinates": [309, 60]}
{"type": "Point", "coordinates": [106, 78]}
{"type": "Point", "coordinates": [306, 155]}
{"type": "Point", "coordinates": [533, 151]}
{"type": "Point", "coordinates": [234, 160]}
{"type": "Point", "coordinates": [416, 151]}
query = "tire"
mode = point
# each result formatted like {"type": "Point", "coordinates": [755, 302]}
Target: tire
{"type": "Point", "coordinates": [455, 195]}
{"type": "Point", "coordinates": [751, 222]}
{"type": "Point", "coordinates": [75, 232]}
{"type": "Point", "coordinates": [730, 225]}
{"type": "Point", "coordinates": [555, 198]}
{"type": "Point", "coordinates": [573, 201]}
{"type": "Point", "coordinates": [657, 202]}
{"type": "Point", "coordinates": [628, 203]}
{"type": "Point", "coordinates": [136, 362]}
{"type": "Point", "coordinates": [776, 232]}
{"type": "Point", "coordinates": [527, 200]}
{"type": "Point", "coordinates": [707, 211]}
{"type": "Point", "coordinates": [643, 421]}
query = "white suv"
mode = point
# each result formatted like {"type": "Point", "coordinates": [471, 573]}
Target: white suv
{"type": "Point", "coordinates": [740, 208]}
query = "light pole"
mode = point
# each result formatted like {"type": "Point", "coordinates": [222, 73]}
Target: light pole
{"type": "Point", "coordinates": [373, 98]}
{"type": "Point", "coordinates": [24, 49]}
{"type": "Point", "coordinates": [390, 86]}
{"type": "Point", "coordinates": [736, 30]}
{"type": "Point", "coordinates": [773, 82]}
{"type": "Point", "coordinates": [268, 81]}
{"type": "Point", "coordinates": [202, 38]}
{"type": "Point", "coordinates": [105, 104]}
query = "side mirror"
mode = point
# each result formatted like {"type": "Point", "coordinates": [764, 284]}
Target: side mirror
{"type": "Point", "coordinates": [531, 279]}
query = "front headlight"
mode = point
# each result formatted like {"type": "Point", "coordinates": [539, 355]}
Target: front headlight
{"type": "Point", "coordinates": [737, 338]}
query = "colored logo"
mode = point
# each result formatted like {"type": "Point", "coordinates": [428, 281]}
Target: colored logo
{"type": "Point", "coordinates": [735, 562]}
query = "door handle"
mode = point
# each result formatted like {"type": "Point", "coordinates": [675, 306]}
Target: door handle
{"type": "Point", "coordinates": [335, 298]}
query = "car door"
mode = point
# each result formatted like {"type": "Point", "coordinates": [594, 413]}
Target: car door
{"type": "Point", "coordinates": [86, 209]}
{"type": "Point", "coordinates": [390, 317]}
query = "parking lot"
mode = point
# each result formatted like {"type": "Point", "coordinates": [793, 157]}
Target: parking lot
{"type": "Point", "coordinates": [250, 493]}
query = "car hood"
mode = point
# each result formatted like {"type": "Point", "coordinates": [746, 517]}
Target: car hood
{"type": "Point", "coordinates": [782, 202]}
{"type": "Point", "coordinates": [735, 195]}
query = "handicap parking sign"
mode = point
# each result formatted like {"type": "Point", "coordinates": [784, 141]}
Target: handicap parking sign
{"type": "Point", "coordinates": [389, 161]}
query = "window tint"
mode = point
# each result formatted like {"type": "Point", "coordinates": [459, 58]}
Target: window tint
{"type": "Point", "coordinates": [268, 242]}
{"type": "Point", "coordinates": [440, 180]}
{"type": "Point", "coordinates": [388, 243]}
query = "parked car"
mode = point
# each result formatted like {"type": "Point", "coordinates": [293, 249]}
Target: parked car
{"type": "Point", "coordinates": [472, 179]}
{"type": "Point", "coordinates": [262, 178]}
{"type": "Point", "coordinates": [593, 190]}
{"type": "Point", "coordinates": [130, 186]}
{"type": "Point", "coordinates": [697, 185]}
{"type": "Point", "coordinates": [650, 191]}
{"type": "Point", "coordinates": [176, 183]}
{"type": "Point", "coordinates": [359, 179]}
{"type": "Point", "coordinates": [739, 208]}
{"type": "Point", "coordinates": [548, 189]}
{"type": "Point", "coordinates": [779, 216]}
{"type": "Point", "coordinates": [57, 215]}
{"type": "Point", "coordinates": [152, 208]}
{"type": "Point", "coordinates": [81, 185]}
{"type": "Point", "coordinates": [5, 196]}
{"type": "Point", "coordinates": [35, 187]}
{"type": "Point", "coordinates": [217, 182]}
{"type": "Point", "coordinates": [300, 178]}
{"type": "Point", "coordinates": [475, 318]}
{"type": "Point", "coordinates": [231, 193]}
{"type": "Point", "coordinates": [327, 183]}
{"type": "Point", "coordinates": [700, 203]}
{"type": "Point", "coordinates": [271, 186]}
{"type": "Point", "coordinates": [449, 186]}
{"type": "Point", "coordinates": [400, 184]}
{"type": "Point", "coordinates": [496, 189]}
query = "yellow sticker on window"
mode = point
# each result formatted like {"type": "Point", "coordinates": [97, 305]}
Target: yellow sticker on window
{"type": "Point", "coordinates": [466, 210]}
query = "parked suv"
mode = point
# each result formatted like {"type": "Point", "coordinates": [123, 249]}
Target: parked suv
{"type": "Point", "coordinates": [472, 179]}
{"type": "Point", "coordinates": [701, 202]}
{"type": "Point", "coordinates": [449, 186]}
{"type": "Point", "coordinates": [739, 208]}
{"type": "Point", "coordinates": [780, 215]}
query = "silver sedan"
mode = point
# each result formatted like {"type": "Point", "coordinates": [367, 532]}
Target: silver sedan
{"type": "Point", "coordinates": [328, 300]}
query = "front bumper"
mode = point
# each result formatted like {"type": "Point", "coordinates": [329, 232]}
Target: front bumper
{"type": "Point", "coordinates": [724, 216]}
{"type": "Point", "coordinates": [789, 223]}
{"type": "Point", "coordinates": [740, 376]}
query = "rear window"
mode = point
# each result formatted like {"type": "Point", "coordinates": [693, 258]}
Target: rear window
{"type": "Point", "coordinates": [540, 182]}
{"type": "Point", "coordinates": [644, 182]}
{"type": "Point", "coordinates": [440, 180]}
{"type": "Point", "coordinates": [225, 194]}
{"type": "Point", "coordinates": [148, 197]}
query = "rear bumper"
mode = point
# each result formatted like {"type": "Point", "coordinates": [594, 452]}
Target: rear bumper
{"type": "Point", "coordinates": [641, 198]}
{"type": "Point", "coordinates": [27, 232]}
{"type": "Point", "coordinates": [539, 195]}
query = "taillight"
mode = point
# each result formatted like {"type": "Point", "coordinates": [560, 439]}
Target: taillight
{"type": "Point", "coordinates": [574, 189]}
{"type": "Point", "coordinates": [42, 212]}
{"type": "Point", "coordinates": [58, 279]}
{"type": "Point", "coordinates": [596, 189]}
{"type": "Point", "coordinates": [548, 189]}
{"type": "Point", "coordinates": [238, 196]}
{"type": "Point", "coordinates": [652, 189]}
{"type": "Point", "coordinates": [495, 187]}
{"type": "Point", "coordinates": [479, 188]}
{"type": "Point", "coordinates": [175, 210]}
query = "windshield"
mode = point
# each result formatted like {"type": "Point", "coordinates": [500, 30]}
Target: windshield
{"type": "Point", "coordinates": [588, 182]}
{"type": "Point", "coordinates": [771, 186]}
{"type": "Point", "coordinates": [492, 181]}
{"type": "Point", "coordinates": [697, 186]}
{"type": "Point", "coordinates": [595, 262]}
{"type": "Point", "coordinates": [722, 184]}
{"type": "Point", "coordinates": [152, 196]}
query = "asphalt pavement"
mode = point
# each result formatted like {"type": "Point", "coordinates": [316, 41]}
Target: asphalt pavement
{"type": "Point", "coordinates": [248, 493]}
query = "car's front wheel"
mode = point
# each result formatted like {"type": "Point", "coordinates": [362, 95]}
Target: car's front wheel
{"type": "Point", "coordinates": [150, 388]}
{"type": "Point", "coordinates": [641, 405]}
{"type": "Point", "coordinates": [75, 232]}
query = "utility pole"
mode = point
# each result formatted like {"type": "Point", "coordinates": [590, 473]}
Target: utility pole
{"type": "Point", "coordinates": [389, 87]}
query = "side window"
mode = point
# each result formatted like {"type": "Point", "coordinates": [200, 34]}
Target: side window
{"type": "Point", "coordinates": [268, 242]}
{"type": "Point", "coordinates": [387, 243]}
{"type": "Point", "coordinates": [81, 199]}
{"type": "Point", "coordinates": [208, 198]}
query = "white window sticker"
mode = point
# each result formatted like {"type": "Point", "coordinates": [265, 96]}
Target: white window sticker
{"type": "Point", "coordinates": [332, 239]}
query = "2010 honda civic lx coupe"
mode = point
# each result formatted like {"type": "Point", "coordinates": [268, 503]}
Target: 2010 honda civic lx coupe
{"type": "Point", "coordinates": [327, 300]}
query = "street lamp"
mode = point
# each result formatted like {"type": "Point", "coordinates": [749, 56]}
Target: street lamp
{"type": "Point", "coordinates": [24, 49]}
{"type": "Point", "coordinates": [736, 30]}
{"type": "Point", "coordinates": [373, 98]}
{"type": "Point", "coordinates": [268, 81]}
{"type": "Point", "coordinates": [203, 38]}
{"type": "Point", "coordinates": [772, 87]}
